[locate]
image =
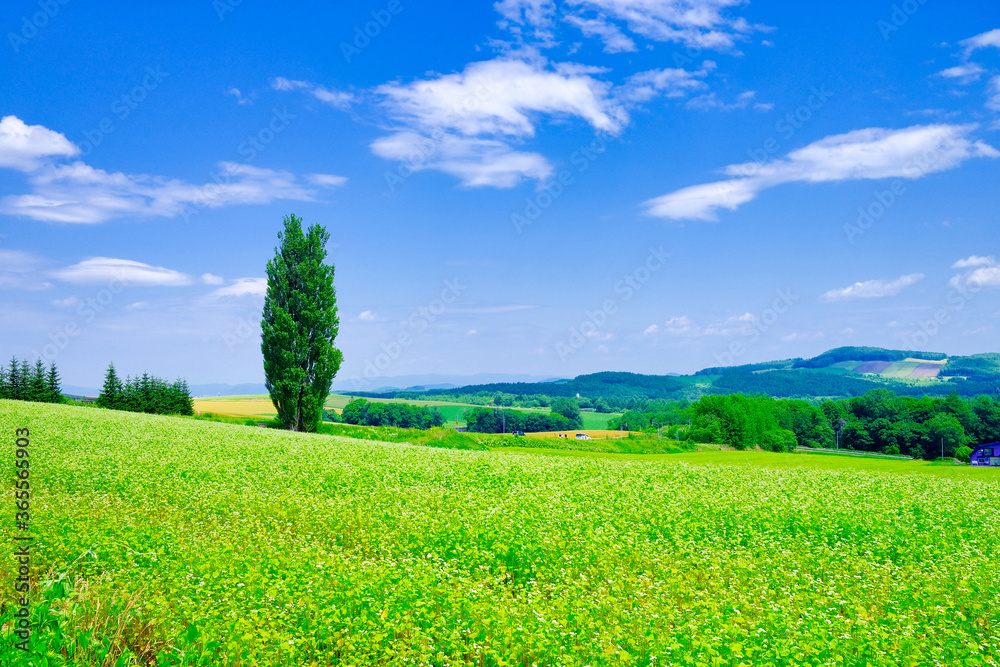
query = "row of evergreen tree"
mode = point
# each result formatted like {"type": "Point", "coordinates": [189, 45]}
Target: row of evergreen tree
{"type": "Point", "coordinates": [146, 393]}
{"type": "Point", "coordinates": [21, 381]}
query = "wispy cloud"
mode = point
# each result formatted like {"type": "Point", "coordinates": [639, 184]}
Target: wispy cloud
{"type": "Point", "coordinates": [615, 41]}
{"type": "Point", "coordinates": [695, 23]}
{"type": "Point", "coordinates": [979, 272]}
{"type": "Point", "coordinates": [668, 82]}
{"type": "Point", "coordinates": [241, 287]}
{"type": "Point", "coordinates": [20, 270]}
{"type": "Point", "coordinates": [80, 193]}
{"type": "Point", "coordinates": [103, 270]}
{"type": "Point", "coordinates": [711, 101]}
{"type": "Point", "coordinates": [982, 41]}
{"type": "Point", "coordinates": [326, 180]}
{"type": "Point", "coordinates": [965, 73]}
{"type": "Point", "coordinates": [339, 99]}
{"type": "Point", "coordinates": [974, 261]}
{"type": "Point", "coordinates": [210, 279]}
{"type": "Point", "coordinates": [872, 289]}
{"type": "Point", "coordinates": [871, 153]}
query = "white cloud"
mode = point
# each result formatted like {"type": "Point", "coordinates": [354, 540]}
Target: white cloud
{"type": "Point", "coordinates": [19, 270]}
{"type": "Point", "coordinates": [367, 316]}
{"type": "Point", "coordinates": [235, 92]}
{"type": "Point", "coordinates": [871, 289]}
{"type": "Point", "coordinates": [615, 41]}
{"type": "Point", "coordinates": [981, 272]}
{"type": "Point", "coordinates": [973, 261]}
{"type": "Point", "coordinates": [476, 162]}
{"type": "Point", "coordinates": [699, 202]}
{"type": "Point", "coordinates": [798, 335]}
{"type": "Point", "coordinates": [710, 101]}
{"type": "Point", "coordinates": [281, 83]}
{"type": "Point", "coordinates": [326, 180]}
{"type": "Point", "coordinates": [730, 325]}
{"type": "Point", "coordinates": [466, 123]}
{"type": "Point", "coordinates": [697, 23]}
{"type": "Point", "coordinates": [241, 287]}
{"type": "Point", "coordinates": [965, 72]}
{"type": "Point", "coordinates": [26, 147]}
{"type": "Point", "coordinates": [982, 41]}
{"type": "Point", "coordinates": [994, 101]}
{"type": "Point", "coordinates": [679, 326]}
{"type": "Point", "coordinates": [210, 279]}
{"type": "Point", "coordinates": [68, 302]}
{"type": "Point", "coordinates": [497, 97]}
{"type": "Point", "coordinates": [871, 153]}
{"type": "Point", "coordinates": [79, 193]}
{"type": "Point", "coordinates": [669, 82]}
{"type": "Point", "coordinates": [650, 330]}
{"type": "Point", "coordinates": [106, 270]}
{"type": "Point", "coordinates": [535, 13]}
{"type": "Point", "coordinates": [338, 99]}
{"type": "Point", "coordinates": [335, 98]}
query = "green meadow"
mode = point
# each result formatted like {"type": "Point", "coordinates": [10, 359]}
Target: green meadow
{"type": "Point", "coordinates": [178, 541]}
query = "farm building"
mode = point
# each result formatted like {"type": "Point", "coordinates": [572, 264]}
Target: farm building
{"type": "Point", "coordinates": [986, 455]}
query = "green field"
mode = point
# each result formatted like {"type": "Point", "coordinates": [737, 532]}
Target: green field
{"type": "Point", "coordinates": [453, 412]}
{"type": "Point", "coordinates": [165, 540]}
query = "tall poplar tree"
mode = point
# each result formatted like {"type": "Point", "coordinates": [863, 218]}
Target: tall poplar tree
{"type": "Point", "coordinates": [299, 326]}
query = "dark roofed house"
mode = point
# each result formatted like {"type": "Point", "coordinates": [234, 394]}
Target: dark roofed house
{"type": "Point", "coordinates": [986, 455]}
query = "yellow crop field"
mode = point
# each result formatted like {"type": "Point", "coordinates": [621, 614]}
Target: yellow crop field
{"type": "Point", "coordinates": [593, 433]}
{"type": "Point", "coordinates": [251, 407]}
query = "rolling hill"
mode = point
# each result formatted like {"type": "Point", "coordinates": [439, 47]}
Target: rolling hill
{"type": "Point", "coordinates": [836, 373]}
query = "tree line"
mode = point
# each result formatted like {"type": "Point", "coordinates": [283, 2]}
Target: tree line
{"type": "Point", "coordinates": [145, 393]}
{"type": "Point", "coordinates": [21, 381]}
{"type": "Point", "coordinates": [878, 421]}
{"type": "Point", "coordinates": [402, 415]}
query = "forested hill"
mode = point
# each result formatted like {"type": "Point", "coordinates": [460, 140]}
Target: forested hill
{"type": "Point", "coordinates": [837, 373]}
{"type": "Point", "coordinates": [596, 385]}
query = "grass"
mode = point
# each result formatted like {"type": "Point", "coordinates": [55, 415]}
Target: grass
{"type": "Point", "coordinates": [169, 541]}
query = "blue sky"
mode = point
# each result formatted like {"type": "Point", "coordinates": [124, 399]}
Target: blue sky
{"type": "Point", "coordinates": [548, 188]}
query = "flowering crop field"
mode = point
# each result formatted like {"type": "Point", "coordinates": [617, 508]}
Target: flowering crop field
{"type": "Point", "coordinates": [169, 541]}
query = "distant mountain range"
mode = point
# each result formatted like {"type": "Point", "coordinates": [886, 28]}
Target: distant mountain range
{"type": "Point", "coordinates": [837, 373]}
